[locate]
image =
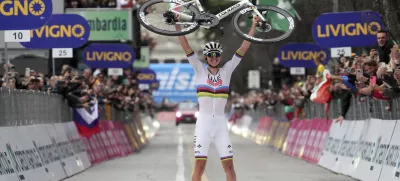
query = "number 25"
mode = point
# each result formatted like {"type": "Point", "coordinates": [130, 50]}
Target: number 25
{"type": "Point", "coordinates": [62, 53]}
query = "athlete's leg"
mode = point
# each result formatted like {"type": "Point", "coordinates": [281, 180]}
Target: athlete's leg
{"type": "Point", "coordinates": [201, 144]}
{"type": "Point", "coordinates": [225, 150]}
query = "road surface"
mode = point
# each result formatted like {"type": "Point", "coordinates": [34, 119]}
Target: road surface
{"type": "Point", "coordinates": [169, 157]}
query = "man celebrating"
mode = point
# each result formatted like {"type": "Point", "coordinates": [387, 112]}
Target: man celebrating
{"type": "Point", "coordinates": [212, 93]}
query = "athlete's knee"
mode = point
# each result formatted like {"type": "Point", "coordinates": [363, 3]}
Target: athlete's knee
{"type": "Point", "coordinates": [200, 165]}
{"type": "Point", "coordinates": [228, 166]}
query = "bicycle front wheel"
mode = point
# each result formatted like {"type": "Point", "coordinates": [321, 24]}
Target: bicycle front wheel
{"type": "Point", "coordinates": [169, 18]}
{"type": "Point", "coordinates": [278, 26]}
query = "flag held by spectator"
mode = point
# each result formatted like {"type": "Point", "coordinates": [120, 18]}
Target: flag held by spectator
{"type": "Point", "coordinates": [87, 123]}
{"type": "Point", "coordinates": [321, 92]}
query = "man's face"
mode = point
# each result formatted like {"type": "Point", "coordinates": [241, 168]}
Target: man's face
{"type": "Point", "coordinates": [312, 80]}
{"type": "Point", "coordinates": [343, 59]}
{"type": "Point", "coordinates": [127, 72]}
{"type": "Point", "coordinates": [87, 73]}
{"type": "Point", "coordinates": [370, 70]}
{"type": "Point", "coordinates": [397, 74]}
{"type": "Point", "coordinates": [317, 61]}
{"type": "Point", "coordinates": [12, 83]}
{"type": "Point", "coordinates": [382, 39]}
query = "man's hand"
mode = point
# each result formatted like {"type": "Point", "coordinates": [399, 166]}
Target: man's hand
{"type": "Point", "coordinates": [340, 120]}
{"type": "Point", "coordinates": [379, 88]}
{"type": "Point", "coordinates": [360, 78]}
{"type": "Point", "coordinates": [381, 71]}
{"type": "Point", "coordinates": [86, 105]}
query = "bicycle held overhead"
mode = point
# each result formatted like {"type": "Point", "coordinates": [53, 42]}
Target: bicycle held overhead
{"type": "Point", "coordinates": [192, 16]}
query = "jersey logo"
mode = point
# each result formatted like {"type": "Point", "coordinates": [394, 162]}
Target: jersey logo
{"type": "Point", "coordinates": [214, 80]}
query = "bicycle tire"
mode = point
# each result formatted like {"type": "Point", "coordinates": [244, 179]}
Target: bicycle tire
{"type": "Point", "coordinates": [245, 36]}
{"type": "Point", "coordinates": [141, 18]}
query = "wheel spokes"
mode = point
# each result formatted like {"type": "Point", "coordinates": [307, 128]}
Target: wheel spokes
{"type": "Point", "coordinates": [160, 17]}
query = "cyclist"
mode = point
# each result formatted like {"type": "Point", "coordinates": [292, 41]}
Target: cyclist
{"type": "Point", "coordinates": [212, 92]}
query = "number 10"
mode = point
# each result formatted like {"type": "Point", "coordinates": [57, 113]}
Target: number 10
{"type": "Point", "coordinates": [18, 35]}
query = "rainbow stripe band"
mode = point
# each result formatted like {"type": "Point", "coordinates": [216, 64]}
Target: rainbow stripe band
{"type": "Point", "coordinates": [190, 53]}
{"type": "Point", "coordinates": [227, 158]}
{"type": "Point", "coordinates": [200, 157]}
{"type": "Point", "coordinates": [239, 54]}
{"type": "Point", "coordinates": [208, 91]}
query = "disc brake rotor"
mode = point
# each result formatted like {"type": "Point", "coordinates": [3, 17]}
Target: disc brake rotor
{"type": "Point", "coordinates": [263, 27]}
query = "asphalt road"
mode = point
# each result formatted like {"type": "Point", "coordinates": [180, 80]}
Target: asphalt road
{"type": "Point", "coordinates": [169, 157]}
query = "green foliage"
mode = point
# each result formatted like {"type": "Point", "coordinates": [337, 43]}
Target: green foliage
{"type": "Point", "coordinates": [214, 7]}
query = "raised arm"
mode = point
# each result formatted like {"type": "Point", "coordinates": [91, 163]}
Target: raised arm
{"type": "Point", "coordinates": [193, 60]}
{"type": "Point", "coordinates": [237, 57]}
{"type": "Point", "coordinates": [182, 39]}
{"type": "Point", "coordinates": [246, 44]}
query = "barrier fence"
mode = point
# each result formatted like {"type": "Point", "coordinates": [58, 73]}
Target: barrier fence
{"type": "Point", "coordinates": [365, 146]}
{"type": "Point", "coordinates": [39, 141]}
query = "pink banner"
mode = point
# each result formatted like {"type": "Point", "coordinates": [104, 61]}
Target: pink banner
{"type": "Point", "coordinates": [324, 135]}
{"type": "Point", "coordinates": [95, 149]}
{"type": "Point", "coordinates": [290, 138]}
{"type": "Point", "coordinates": [109, 139]}
{"type": "Point", "coordinates": [310, 149]}
{"type": "Point", "coordinates": [122, 139]}
{"type": "Point", "coordinates": [298, 142]}
{"type": "Point", "coordinates": [111, 142]}
{"type": "Point", "coordinates": [101, 147]}
{"type": "Point", "coordinates": [264, 126]}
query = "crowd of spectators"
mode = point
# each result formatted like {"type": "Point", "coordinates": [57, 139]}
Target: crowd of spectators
{"type": "Point", "coordinates": [375, 75]}
{"type": "Point", "coordinates": [81, 90]}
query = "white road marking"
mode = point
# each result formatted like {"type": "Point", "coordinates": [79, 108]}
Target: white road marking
{"type": "Point", "coordinates": [180, 174]}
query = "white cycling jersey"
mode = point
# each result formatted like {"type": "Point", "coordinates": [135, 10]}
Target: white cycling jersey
{"type": "Point", "coordinates": [212, 94]}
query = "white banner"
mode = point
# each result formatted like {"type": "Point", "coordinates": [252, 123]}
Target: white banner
{"type": "Point", "coordinates": [369, 145]}
{"type": "Point", "coordinates": [330, 155]}
{"type": "Point", "coordinates": [80, 147]}
{"type": "Point", "coordinates": [391, 166]}
{"type": "Point", "coordinates": [45, 146]}
{"type": "Point", "coordinates": [28, 164]}
{"type": "Point", "coordinates": [348, 160]}
{"type": "Point", "coordinates": [344, 153]}
{"type": "Point", "coordinates": [8, 166]}
{"type": "Point", "coordinates": [68, 159]}
{"type": "Point", "coordinates": [385, 134]}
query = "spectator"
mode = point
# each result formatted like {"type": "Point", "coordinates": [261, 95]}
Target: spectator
{"type": "Point", "coordinates": [384, 47]}
{"type": "Point", "coordinates": [320, 70]}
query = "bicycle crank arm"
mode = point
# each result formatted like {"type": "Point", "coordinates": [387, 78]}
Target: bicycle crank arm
{"type": "Point", "coordinates": [184, 23]}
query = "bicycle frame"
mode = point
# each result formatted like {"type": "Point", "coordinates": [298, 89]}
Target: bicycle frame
{"type": "Point", "coordinates": [220, 15]}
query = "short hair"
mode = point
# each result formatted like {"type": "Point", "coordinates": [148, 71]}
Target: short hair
{"type": "Point", "coordinates": [383, 31]}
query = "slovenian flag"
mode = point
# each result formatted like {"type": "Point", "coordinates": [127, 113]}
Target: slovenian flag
{"type": "Point", "coordinates": [86, 122]}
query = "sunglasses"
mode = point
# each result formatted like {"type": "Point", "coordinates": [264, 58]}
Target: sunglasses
{"type": "Point", "coordinates": [214, 54]}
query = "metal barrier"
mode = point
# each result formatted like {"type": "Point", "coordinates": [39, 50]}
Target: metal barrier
{"type": "Point", "coordinates": [26, 107]}
{"type": "Point", "coordinates": [361, 108]}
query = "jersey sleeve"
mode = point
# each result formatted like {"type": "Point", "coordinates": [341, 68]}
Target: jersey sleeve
{"type": "Point", "coordinates": [234, 62]}
{"type": "Point", "coordinates": [194, 61]}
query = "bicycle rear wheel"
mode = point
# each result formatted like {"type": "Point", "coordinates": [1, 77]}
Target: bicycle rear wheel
{"type": "Point", "coordinates": [280, 23]}
{"type": "Point", "coordinates": [148, 17]}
